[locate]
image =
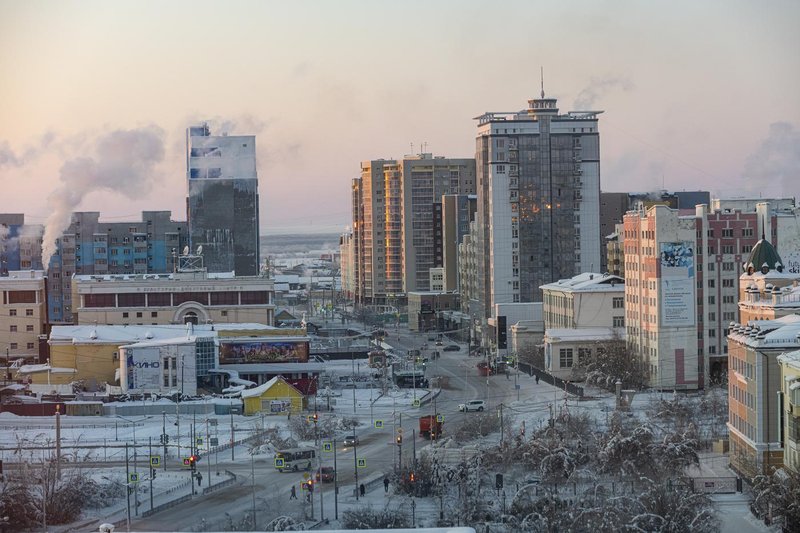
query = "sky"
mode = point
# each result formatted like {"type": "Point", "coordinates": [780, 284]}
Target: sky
{"type": "Point", "coordinates": [95, 96]}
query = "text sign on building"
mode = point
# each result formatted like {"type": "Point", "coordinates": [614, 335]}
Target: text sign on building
{"type": "Point", "coordinates": [677, 284]}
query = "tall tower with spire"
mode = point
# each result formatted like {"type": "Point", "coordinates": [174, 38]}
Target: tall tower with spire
{"type": "Point", "coordinates": [538, 199]}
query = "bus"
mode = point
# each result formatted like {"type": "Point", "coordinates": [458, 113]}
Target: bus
{"type": "Point", "coordinates": [295, 459]}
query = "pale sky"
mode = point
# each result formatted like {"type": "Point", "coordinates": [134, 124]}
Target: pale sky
{"type": "Point", "coordinates": [696, 94]}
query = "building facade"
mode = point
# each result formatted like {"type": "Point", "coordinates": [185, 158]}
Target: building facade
{"type": "Point", "coordinates": [790, 408]}
{"type": "Point", "coordinates": [23, 313]}
{"type": "Point", "coordinates": [222, 203]}
{"type": "Point", "coordinates": [538, 199]}
{"type": "Point", "coordinates": [196, 297]}
{"type": "Point", "coordinates": [458, 210]}
{"type": "Point", "coordinates": [91, 247]}
{"type": "Point", "coordinates": [682, 283]}
{"type": "Point", "coordinates": [396, 215]}
{"type": "Point", "coordinates": [588, 300]}
{"type": "Point", "coordinates": [20, 244]}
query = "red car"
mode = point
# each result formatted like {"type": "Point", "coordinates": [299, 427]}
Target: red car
{"type": "Point", "coordinates": [327, 474]}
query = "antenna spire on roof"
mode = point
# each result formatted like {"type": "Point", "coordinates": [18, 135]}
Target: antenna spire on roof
{"type": "Point", "coordinates": [541, 73]}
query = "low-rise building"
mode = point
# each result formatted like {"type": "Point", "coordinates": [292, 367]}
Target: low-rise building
{"type": "Point", "coordinates": [155, 299]}
{"type": "Point", "coordinates": [23, 313]}
{"type": "Point", "coordinates": [568, 351]}
{"type": "Point", "coordinates": [588, 300]}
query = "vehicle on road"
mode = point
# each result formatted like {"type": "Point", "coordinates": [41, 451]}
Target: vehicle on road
{"type": "Point", "coordinates": [451, 348]}
{"type": "Point", "coordinates": [429, 427]}
{"type": "Point", "coordinates": [472, 405]}
{"type": "Point", "coordinates": [328, 474]}
{"type": "Point", "coordinates": [350, 440]}
{"type": "Point", "coordinates": [294, 459]}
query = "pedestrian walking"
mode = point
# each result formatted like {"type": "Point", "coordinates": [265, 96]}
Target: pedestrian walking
{"type": "Point", "coordinates": [293, 495]}
{"type": "Point", "coordinates": [537, 379]}
{"type": "Point", "coordinates": [386, 484]}
{"type": "Point", "coordinates": [362, 489]}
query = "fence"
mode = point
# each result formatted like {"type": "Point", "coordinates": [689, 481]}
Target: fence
{"type": "Point", "coordinates": [571, 388]}
{"type": "Point", "coordinates": [715, 485]}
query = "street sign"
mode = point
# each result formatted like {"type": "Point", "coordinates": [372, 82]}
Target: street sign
{"type": "Point", "coordinates": [440, 418]}
{"type": "Point", "coordinates": [133, 477]}
{"type": "Point", "coordinates": [155, 460]}
{"type": "Point", "coordinates": [186, 462]}
{"type": "Point", "coordinates": [306, 475]}
{"type": "Point", "coordinates": [279, 462]}
{"type": "Point", "coordinates": [327, 446]}
{"type": "Point", "coordinates": [415, 403]}
{"type": "Point", "coordinates": [361, 463]}
{"type": "Point", "coordinates": [198, 441]}
{"type": "Point", "coordinates": [379, 424]}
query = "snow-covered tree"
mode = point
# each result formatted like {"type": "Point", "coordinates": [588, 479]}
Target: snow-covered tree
{"type": "Point", "coordinates": [615, 361]}
{"type": "Point", "coordinates": [778, 496]}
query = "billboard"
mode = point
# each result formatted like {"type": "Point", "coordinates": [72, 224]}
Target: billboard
{"type": "Point", "coordinates": [676, 264]}
{"type": "Point", "coordinates": [231, 353]}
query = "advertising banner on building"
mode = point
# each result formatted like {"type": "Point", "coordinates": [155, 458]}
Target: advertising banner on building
{"type": "Point", "coordinates": [677, 284]}
{"type": "Point", "coordinates": [231, 353]}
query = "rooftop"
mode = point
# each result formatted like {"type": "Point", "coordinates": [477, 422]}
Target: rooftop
{"type": "Point", "coordinates": [588, 281]}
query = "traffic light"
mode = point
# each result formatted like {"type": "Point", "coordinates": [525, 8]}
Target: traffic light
{"type": "Point", "coordinates": [399, 439]}
{"type": "Point", "coordinates": [152, 473]}
{"type": "Point", "coordinates": [193, 461]}
{"type": "Point", "coordinates": [315, 418]}
{"type": "Point", "coordinates": [310, 485]}
{"type": "Point", "coordinates": [412, 478]}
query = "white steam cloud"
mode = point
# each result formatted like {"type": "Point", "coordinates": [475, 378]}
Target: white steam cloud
{"type": "Point", "coordinates": [9, 158]}
{"type": "Point", "coordinates": [597, 88]}
{"type": "Point", "coordinates": [776, 163]}
{"type": "Point", "coordinates": [124, 162]}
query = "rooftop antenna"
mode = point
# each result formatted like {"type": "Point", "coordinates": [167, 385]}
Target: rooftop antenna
{"type": "Point", "coordinates": [541, 73]}
{"type": "Point", "coordinates": [412, 148]}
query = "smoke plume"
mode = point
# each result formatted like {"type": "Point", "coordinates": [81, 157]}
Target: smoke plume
{"type": "Point", "coordinates": [776, 163]}
{"type": "Point", "coordinates": [597, 88]}
{"type": "Point", "coordinates": [123, 162]}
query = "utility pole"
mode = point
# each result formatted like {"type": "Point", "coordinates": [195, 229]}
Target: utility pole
{"type": "Point", "coordinates": [335, 483]}
{"type": "Point", "coordinates": [355, 462]}
{"type": "Point", "coordinates": [232, 436]}
{"type": "Point", "coordinates": [502, 427]}
{"type": "Point", "coordinates": [152, 470]}
{"type": "Point", "coordinates": [253, 486]}
{"type": "Point", "coordinates": [164, 438]}
{"type": "Point", "coordinates": [127, 485]}
{"type": "Point", "coordinates": [58, 441]}
{"type": "Point", "coordinates": [208, 455]}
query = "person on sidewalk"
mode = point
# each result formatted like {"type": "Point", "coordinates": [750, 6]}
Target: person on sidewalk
{"type": "Point", "coordinates": [293, 495]}
{"type": "Point", "coordinates": [362, 489]}
{"type": "Point", "coordinates": [386, 484]}
{"type": "Point", "coordinates": [537, 379]}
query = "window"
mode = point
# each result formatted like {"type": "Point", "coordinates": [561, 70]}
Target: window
{"type": "Point", "coordinates": [711, 283]}
{"type": "Point", "coordinates": [139, 314]}
{"type": "Point", "coordinates": [728, 232]}
{"type": "Point", "coordinates": [254, 297]}
{"type": "Point", "coordinates": [29, 328]}
{"type": "Point", "coordinates": [565, 357]}
{"type": "Point", "coordinates": [727, 266]}
{"type": "Point", "coordinates": [125, 314]}
{"type": "Point", "coordinates": [712, 300]}
{"type": "Point", "coordinates": [130, 300]}
{"type": "Point", "coordinates": [712, 333]}
{"type": "Point", "coordinates": [747, 232]}
{"type": "Point", "coordinates": [153, 314]}
{"type": "Point", "coordinates": [12, 312]}
{"type": "Point", "coordinates": [13, 328]}
{"type": "Point", "coordinates": [746, 249]}
{"type": "Point", "coordinates": [29, 312]}
{"type": "Point", "coordinates": [584, 354]}
{"type": "Point", "coordinates": [728, 299]}
{"type": "Point", "coordinates": [727, 248]}
{"type": "Point", "coordinates": [13, 346]}
{"type": "Point", "coordinates": [30, 346]}
{"type": "Point", "coordinates": [618, 303]}
{"type": "Point", "coordinates": [619, 321]}
{"type": "Point", "coordinates": [727, 283]}
{"type": "Point", "coordinates": [712, 317]}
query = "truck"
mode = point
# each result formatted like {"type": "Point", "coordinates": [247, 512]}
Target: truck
{"type": "Point", "coordinates": [430, 427]}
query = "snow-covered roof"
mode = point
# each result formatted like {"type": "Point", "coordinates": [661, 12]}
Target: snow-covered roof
{"type": "Point", "coordinates": [261, 389]}
{"type": "Point", "coordinates": [583, 334]}
{"type": "Point", "coordinates": [588, 281]}
{"type": "Point", "coordinates": [186, 339]}
{"type": "Point", "coordinates": [779, 333]}
{"type": "Point", "coordinates": [101, 334]}
{"type": "Point", "coordinates": [791, 359]}
{"type": "Point", "coordinates": [34, 369]}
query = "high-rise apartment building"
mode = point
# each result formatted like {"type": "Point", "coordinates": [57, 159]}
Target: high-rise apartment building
{"type": "Point", "coordinates": [89, 246]}
{"type": "Point", "coordinates": [222, 203]}
{"type": "Point", "coordinates": [20, 244]}
{"type": "Point", "coordinates": [23, 313]}
{"type": "Point", "coordinates": [538, 199]}
{"type": "Point", "coordinates": [681, 283]}
{"type": "Point", "coordinates": [395, 220]}
{"type": "Point", "coordinates": [458, 210]}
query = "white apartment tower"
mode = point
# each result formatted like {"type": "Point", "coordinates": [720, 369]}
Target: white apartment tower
{"type": "Point", "coordinates": [538, 199]}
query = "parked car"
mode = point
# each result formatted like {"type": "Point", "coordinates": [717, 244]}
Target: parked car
{"type": "Point", "coordinates": [451, 348]}
{"type": "Point", "coordinates": [350, 440]}
{"type": "Point", "coordinates": [328, 473]}
{"type": "Point", "coordinates": [472, 405]}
